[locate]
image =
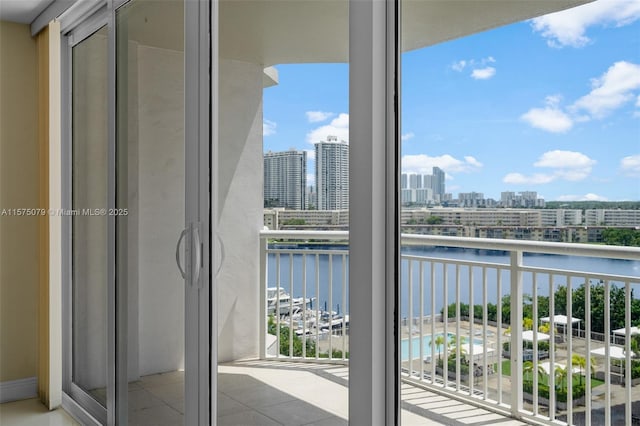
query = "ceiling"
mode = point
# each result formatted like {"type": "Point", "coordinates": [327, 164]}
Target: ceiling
{"type": "Point", "coordinates": [22, 11]}
{"type": "Point", "coordinates": [273, 32]}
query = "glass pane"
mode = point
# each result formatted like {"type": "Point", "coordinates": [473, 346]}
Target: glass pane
{"type": "Point", "coordinates": [151, 204]}
{"type": "Point", "coordinates": [508, 134]}
{"type": "Point", "coordinates": [283, 163]}
{"type": "Point", "coordinates": [89, 239]}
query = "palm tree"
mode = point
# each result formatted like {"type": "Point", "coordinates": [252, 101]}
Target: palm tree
{"type": "Point", "coordinates": [561, 373]}
{"type": "Point", "coordinates": [439, 341]}
{"type": "Point", "coordinates": [581, 362]}
{"type": "Point", "coordinates": [527, 368]}
{"type": "Point", "coordinates": [454, 341]}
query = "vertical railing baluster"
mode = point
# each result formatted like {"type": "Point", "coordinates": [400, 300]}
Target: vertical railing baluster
{"type": "Point", "coordinates": [516, 332]}
{"type": "Point", "coordinates": [607, 351]}
{"type": "Point", "coordinates": [344, 307]}
{"type": "Point", "coordinates": [568, 329]}
{"type": "Point", "coordinates": [534, 371]}
{"type": "Point", "coordinates": [304, 305]}
{"type": "Point", "coordinates": [264, 284]}
{"type": "Point", "coordinates": [471, 359]}
{"type": "Point", "coordinates": [421, 297]}
{"type": "Point", "coordinates": [627, 352]}
{"type": "Point", "coordinates": [445, 323]}
{"type": "Point", "coordinates": [485, 319]}
{"type": "Point", "coordinates": [499, 272]}
{"type": "Point", "coordinates": [433, 322]}
{"type": "Point", "coordinates": [552, 350]}
{"type": "Point", "coordinates": [277, 311]}
{"type": "Point", "coordinates": [291, 330]}
{"type": "Point", "coordinates": [330, 312]}
{"type": "Point", "coordinates": [410, 314]}
{"type": "Point", "coordinates": [457, 338]}
{"type": "Point", "coordinates": [317, 305]}
{"type": "Point", "coordinates": [587, 336]}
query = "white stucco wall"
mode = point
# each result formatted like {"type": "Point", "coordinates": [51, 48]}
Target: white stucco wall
{"type": "Point", "coordinates": [160, 208]}
{"type": "Point", "coordinates": [240, 208]}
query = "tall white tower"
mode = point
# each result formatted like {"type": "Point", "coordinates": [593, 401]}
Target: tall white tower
{"type": "Point", "coordinates": [332, 174]}
{"type": "Point", "coordinates": [285, 179]}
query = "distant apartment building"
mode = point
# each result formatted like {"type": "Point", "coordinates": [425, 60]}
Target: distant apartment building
{"type": "Point", "coordinates": [437, 184]}
{"type": "Point", "coordinates": [275, 219]}
{"type": "Point", "coordinates": [285, 179]}
{"type": "Point", "coordinates": [561, 217]}
{"type": "Point", "coordinates": [471, 199]}
{"type": "Point", "coordinates": [612, 217]}
{"type": "Point", "coordinates": [332, 174]}
{"type": "Point", "coordinates": [422, 189]}
{"type": "Point", "coordinates": [477, 217]}
{"type": "Point", "coordinates": [526, 199]}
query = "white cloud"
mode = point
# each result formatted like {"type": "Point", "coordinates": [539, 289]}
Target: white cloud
{"type": "Point", "coordinates": [339, 127]}
{"type": "Point", "coordinates": [424, 164]}
{"type": "Point", "coordinates": [483, 73]}
{"type": "Point", "coordinates": [564, 160]}
{"type": "Point", "coordinates": [569, 27]}
{"type": "Point", "coordinates": [481, 70]}
{"type": "Point", "coordinates": [567, 165]}
{"type": "Point", "coordinates": [550, 118]}
{"type": "Point", "coordinates": [613, 89]}
{"type": "Point", "coordinates": [268, 127]}
{"type": "Point", "coordinates": [586, 197]}
{"type": "Point", "coordinates": [630, 165]}
{"type": "Point", "coordinates": [407, 136]}
{"type": "Point", "coordinates": [459, 66]}
{"type": "Point", "coordinates": [318, 116]}
{"type": "Point", "coordinates": [472, 161]}
{"type": "Point", "coordinates": [617, 86]}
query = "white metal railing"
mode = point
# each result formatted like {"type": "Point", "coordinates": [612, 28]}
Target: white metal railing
{"type": "Point", "coordinates": [458, 333]}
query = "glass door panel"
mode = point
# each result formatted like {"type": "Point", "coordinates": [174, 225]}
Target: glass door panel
{"type": "Point", "coordinates": [89, 231]}
{"type": "Point", "coordinates": [283, 150]}
{"type": "Point", "coordinates": [151, 202]}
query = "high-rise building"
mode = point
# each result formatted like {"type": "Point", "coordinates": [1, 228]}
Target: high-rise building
{"type": "Point", "coordinates": [285, 179]}
{"type": "Point", "coordinates": [332, 174]}
{"type": "Point", "coordinates": [437, 183]}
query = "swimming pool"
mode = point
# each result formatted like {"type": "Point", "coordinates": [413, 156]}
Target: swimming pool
{"type": "Point", "coordinates": [426, 344]}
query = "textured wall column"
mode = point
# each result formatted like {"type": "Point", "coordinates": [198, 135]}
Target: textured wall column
{"type": "Point", "coordinates": [240, 211]}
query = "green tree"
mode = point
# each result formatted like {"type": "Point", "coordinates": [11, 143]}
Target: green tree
{"type": "Point", "coordinates": [439, 341]}
{"type": "Point", "coordinates": [621, 237]}
{"type": "Point", "coordinates": [580, 361]}
{"type": "Point", "coordinates": [434, 220]}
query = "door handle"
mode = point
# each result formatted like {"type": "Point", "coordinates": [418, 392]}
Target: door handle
{"type": "Point", "coordinates": [182, 272]}
{"type": "Point", "coordinates": [221, 260]}
{"type": "Point", "coordinates": [198, 249]}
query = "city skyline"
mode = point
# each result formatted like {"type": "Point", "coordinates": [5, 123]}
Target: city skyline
{"type": "Point", "coordinates": [541, 105]}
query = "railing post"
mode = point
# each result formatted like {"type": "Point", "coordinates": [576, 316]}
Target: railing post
{"type": "Point", "coordinates": [263, 296]}
{"type": "Point", "coordinates": [516, 332]}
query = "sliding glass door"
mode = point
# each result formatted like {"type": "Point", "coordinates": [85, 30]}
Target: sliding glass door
{"type": "Point", "coordinates": [89, 248]}
{"type": "Point", "coordinates": [138, 326]}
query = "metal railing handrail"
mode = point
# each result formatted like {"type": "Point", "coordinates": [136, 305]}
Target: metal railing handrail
{"type": "Point", "coordinates": [471, 275]}
{"type": "Point", "coordinates": [574, 249]}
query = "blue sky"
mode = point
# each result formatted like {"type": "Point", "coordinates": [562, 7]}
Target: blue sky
{"type": "Point", "coordinates": [550, 105]}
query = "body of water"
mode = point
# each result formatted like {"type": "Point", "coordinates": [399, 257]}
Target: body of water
{"type": "Point", "coordinates": [470, 280]}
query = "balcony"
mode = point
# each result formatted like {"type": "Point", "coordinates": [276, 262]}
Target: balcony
{"type": "Point", "coordinates": [567, 360]}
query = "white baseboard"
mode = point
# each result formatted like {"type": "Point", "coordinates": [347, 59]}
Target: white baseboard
{"type": "Point", "coordinates": [15, 390]}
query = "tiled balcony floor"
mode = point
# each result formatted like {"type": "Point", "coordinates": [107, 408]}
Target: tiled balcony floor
{"type": "Point", "coordinates": [265, 393]}
{"type": "Point", "coordinates": [325, 388]}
